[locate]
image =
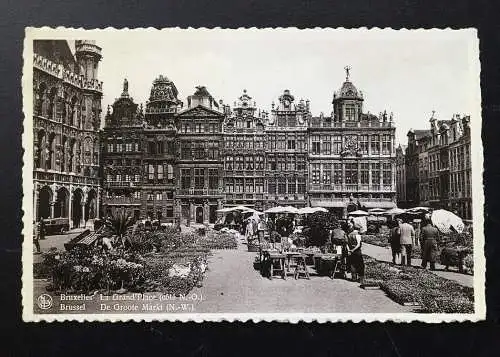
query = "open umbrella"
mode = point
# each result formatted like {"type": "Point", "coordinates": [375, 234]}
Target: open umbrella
{"type": "Point", "coordinates": [445, 220]}
{"type": "Point", "coordinates": [418, 209]}
{"type": "Point", "coordinates": [225, 210]}
{"type": "Point", "coordinates": [290, 209]}
{"type": "Point", "coordinates": [394, 211]}
{"type": "Point", "coordinates": [376, 211]}
{"type": "Point", "coordinates": [306, 210]}
{"type": "Point", "coordinates": [358, 213]}
{"type": "Point", "coordinates": [319, 209]}
{"type": "Point", "coordinates": [277, 209]}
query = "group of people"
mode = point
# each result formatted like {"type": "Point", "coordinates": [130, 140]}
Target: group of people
{"type": "Point", "coordinates": [403, 237]}
{"type": "Point", "coordinates": [349, 238]}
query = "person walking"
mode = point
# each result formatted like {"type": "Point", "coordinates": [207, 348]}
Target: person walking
{"type": "Point", "coordinates": [36, 237]}
{"type": "Point", "coordinates": [395, 241]}
{"type": "Point", "coordinates": [407, 238]}
{"type": "Point", "coordinates": [355, 258]}
{"type": "Point", "coordinates": [429, 237]}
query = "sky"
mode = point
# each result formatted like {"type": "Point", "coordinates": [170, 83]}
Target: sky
{"type": "Point", "coordinates": [409, 73]}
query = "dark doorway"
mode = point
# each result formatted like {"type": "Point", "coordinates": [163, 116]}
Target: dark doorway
{"type": "Point", "coordinates": [61, 205]}
{"type": "Point", "coordinates": [213, 214]}
{"type": "Point", "coordinates": [91, 205]}
{"type": "Point", "coordinates": [76, 208]}
{"type": "Point", "coordinates": [44, 199]}
{"type": "Point", "coordinates": [137, 214]}
{"type": "Point", "coordinates": [199, 214]}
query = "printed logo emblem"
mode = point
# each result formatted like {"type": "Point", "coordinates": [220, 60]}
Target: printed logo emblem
{"type": "Point", "coordinates": [44, 301]}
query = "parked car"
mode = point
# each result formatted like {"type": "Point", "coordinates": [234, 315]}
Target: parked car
{"type": "Point", "coordinates": [56, 226]}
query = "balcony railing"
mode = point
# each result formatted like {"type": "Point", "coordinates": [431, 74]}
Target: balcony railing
{"type": "Point", "coordinates": [65, 178]}
{"type": "Point", "coordinates": [350, 124]}
{"type": "Point", "coordinates": [199, 192]}
{"type": "Point", "coordinates": [352, 188]}
{"type": "Point", "coordinates": [58, 70]}
{"type": "Point", "coordinates": [121, 201]}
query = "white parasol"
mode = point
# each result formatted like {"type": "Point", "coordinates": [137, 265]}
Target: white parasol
{"type": "Point", "coordinates": [444, 221]}
{"type": "Point", "coordinates": [418, 209]}
{"type": "Point", "coordinates": [358, 213]}
{"type": "Point", "coordinates": [225, 210]}
{"type": "Point", "coordinates": [277, 209]}
{"type": "Point", "coordinates": [319, 209]}
{"type": "Point", "coordinates": [394, 211]}
{"type": "Point", "coordinates": [290, 209]}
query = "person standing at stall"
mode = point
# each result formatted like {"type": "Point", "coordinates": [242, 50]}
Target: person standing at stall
{"type": "Point", "coordinates": [395, 241]}
{"type": "Point", "coordinates": [429, 237]}
{"type": "Point", "coordinates": [355, 258]}
{"type": "Point", "coordinates": [407, 238]}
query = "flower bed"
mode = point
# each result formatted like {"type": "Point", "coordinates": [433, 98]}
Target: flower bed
{"type": "Point", "coordinates": [412, 286]}
{"type": "Point", "coordinates": [163, 261]}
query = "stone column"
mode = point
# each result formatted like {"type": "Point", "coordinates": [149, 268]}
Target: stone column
{"type": "Point", "coordinates": [70, 207]}
{"type": "Point", "coordinates": [188, 223]}
{"type": "Point", "coordinates": [52, 205]}
{"type": "Point", "coordinates": [36, 203]}
{"type": "Point", "coordinates": [98, 203]}
{"type": "Point", "coordinates": [82, 219]}
{"type": "Point", "coordinates": [206, 212]}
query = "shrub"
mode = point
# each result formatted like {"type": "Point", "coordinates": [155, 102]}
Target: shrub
{"type": "Point", "coordinates": [319, 225]}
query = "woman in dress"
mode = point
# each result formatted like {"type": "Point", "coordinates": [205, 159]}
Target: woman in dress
{"type": "Point", "coordinates": [355, 258]}
{"type": "Point", "coordinates": [395, 237]}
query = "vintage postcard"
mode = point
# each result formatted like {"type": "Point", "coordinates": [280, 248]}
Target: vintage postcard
{"type": "Point", "coordinates": [252, 174]}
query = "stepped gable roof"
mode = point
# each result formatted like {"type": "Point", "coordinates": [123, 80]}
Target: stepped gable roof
{"type": "Point", "coordinates": [419, 134]}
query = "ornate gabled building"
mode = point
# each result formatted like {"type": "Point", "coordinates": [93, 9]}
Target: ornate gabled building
{"type": "Point", "coordinates": [121, 156]}
{"type": "Point", "coordinates": [66, 119]}
{"type": "Point", "coordinates": [351, 155]}
{"type": "Point", "coordinates": [159, 152]}
{"type": "Point", "coordinates": [199, 163]}
{"type": "Point", "coordinates": [286, 152]}
{"type": "Point", "coordinates": [244, 154]}
{"type": "Point", "coordinates": [401, 176]}
{"type": "Point", "coordinates": [438, 165]}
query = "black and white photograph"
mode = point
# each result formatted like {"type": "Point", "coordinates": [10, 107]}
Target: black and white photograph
{"type": "Point", "coordinates": [252, 174]}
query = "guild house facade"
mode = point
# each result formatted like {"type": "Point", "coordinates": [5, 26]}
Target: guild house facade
{"type": "Point", "coordinates": [66, 118]}
{"type": "Point", "coordinates": [438, 166]}
{"type": "Point", "coordinates": [351, 156]}
{"type": "Point", "coordinates": [181, 163]}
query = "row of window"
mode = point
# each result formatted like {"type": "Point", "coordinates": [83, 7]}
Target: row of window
{"type": "Point", "coordinates": [239, 185]}
{"type": "Point", "coordinates": [159, 171]}
{"type": "Point", "coordinates": [200, 150]}
{"type": "Point", "coordinates": [334, 144]}
{"type": "Point", "coordinates": [283, 185]}
{"type": "Point", "coordinates": [244, 163]}
{"type": "Point", "coordinates": [351, 173]}
{"type": "Point", "coordinates": [200, 128]}
{"type": "Point", "coordinates": [459, 157]}
{"type": "Point", "coordinates": [123, 146]}
{"type": "Point", "coordinates": [196, 178]}
{"type": "Point", "coordinates": [247, 142]}
{"type": "Point", "coordinates": [288, 141]}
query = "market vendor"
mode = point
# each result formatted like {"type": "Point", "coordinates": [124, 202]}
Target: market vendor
{"type": "Point", "coordinates": [429, 238]}
{"type": "Point", "coordinates": [355, 258]}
